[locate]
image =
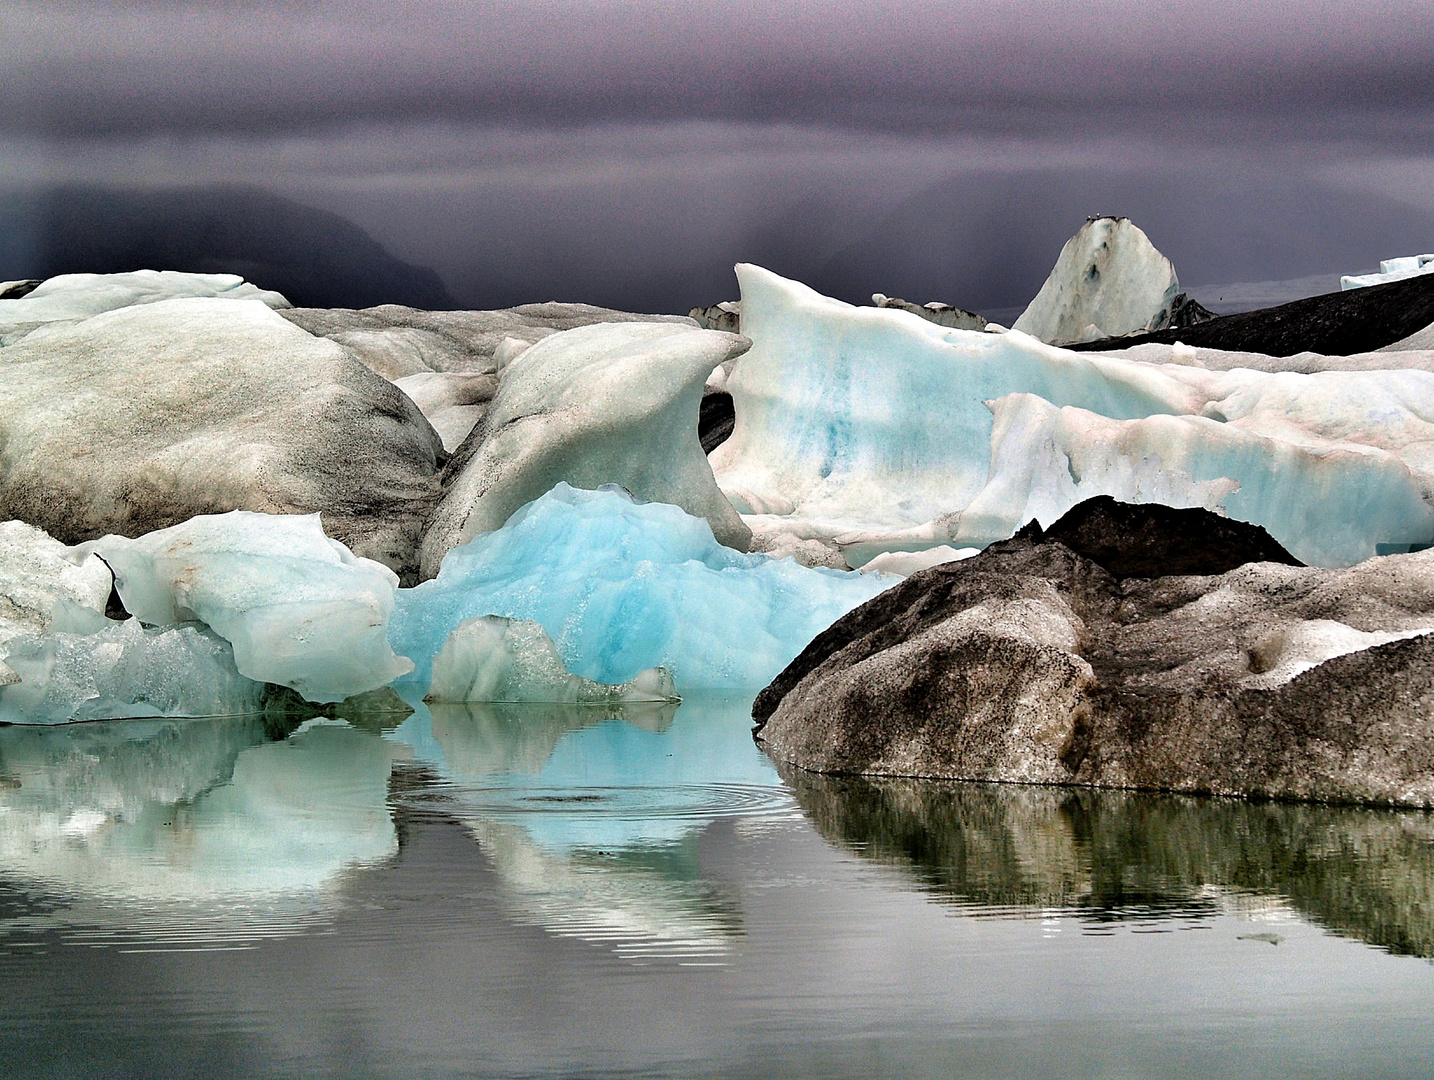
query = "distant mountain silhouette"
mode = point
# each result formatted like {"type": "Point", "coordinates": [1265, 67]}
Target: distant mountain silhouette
{"type": "Point", "coordinates": [314, 257]}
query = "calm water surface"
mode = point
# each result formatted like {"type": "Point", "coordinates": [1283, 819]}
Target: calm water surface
{"type": "Point", "coordinates": [569, 892]}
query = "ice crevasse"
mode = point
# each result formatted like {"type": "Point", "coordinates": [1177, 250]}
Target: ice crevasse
{"type": "Point", "coordinates": [875, 430]}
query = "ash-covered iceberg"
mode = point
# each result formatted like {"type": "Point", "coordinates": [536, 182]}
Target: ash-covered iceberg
{"type": "Point", "coordinates": [143, 417]}
{"type": "Point", "coordinates": [623, 586]}
{"type": "Point", "coordinates": [494, 659]}
{"type": "Point", "coordinates": [604, 404]}
{"type": "Point", "coordinates": [1109, 281]}
{"type": "Point", "coordinates": [299, 608]}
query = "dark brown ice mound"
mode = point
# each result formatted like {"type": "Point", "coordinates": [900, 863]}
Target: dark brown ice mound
{"type": "Point", "coordinates": [1129, 647]}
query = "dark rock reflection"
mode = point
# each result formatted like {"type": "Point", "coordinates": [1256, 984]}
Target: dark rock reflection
{"type": "Point", "coordinates": [1361, 873]}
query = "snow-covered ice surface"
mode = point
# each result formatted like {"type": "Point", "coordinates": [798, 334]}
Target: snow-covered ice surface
{"type": "Point", "coordinates": [1406, 266]}
{"type": "Point", "coordinates": [1109, 280]}
{"type": "Point", "coordinates": [70, 298]}
{"type": "Point", "coordinates": [612, 403]}
{"type": "Point", "coordinates": [299, 608]}
{"type": "Point", "coordinates": [140, 418]}
{"type": "Point", "coordinates": [876, 431]}
{"type": "Point", "coordinates": [1415, 351]}
{"type": "Point", "coordinates": [494, 659]}
{"type": "Point", "coordinates": [623, 586]}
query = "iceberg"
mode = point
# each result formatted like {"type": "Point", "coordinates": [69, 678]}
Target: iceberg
{"type": "Point", "coordinates": [1406, 266]}
{"type": "Point", "coordinates": [875, 431]}
{"type": "Point", "coordinates": [1109, 281]}
{"type": "Point", "coordinates": [70, 298]}
{"type": "Point", "coordinates": [143, 417]}
{"type": "Point", "coordinates": [491, 658]}
{"type": "Point", "coordinates": [605, 404]}
{"type": "Point", "coordinates": [623, 586]}
{"type": "Point", "coordinates": [1330, 504]}
{"type": "Point", "coordinates": [300, 609]}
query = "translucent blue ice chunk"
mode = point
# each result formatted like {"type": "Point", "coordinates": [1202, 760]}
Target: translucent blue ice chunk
{"type": "Point", "coordinates": [623, 586]}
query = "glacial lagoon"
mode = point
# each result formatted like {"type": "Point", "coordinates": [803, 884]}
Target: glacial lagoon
{"type": "Point", "coordinates": [583, 891]}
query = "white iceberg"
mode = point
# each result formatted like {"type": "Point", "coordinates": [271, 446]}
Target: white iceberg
{"type": "Point", "coordinates": [605, 404]}
{"type": "Point", "coordinates": [1406, 266]}
{"type": "Point", "coordinates": [300, 609]}
{"type": "Point", "coordinates": [875, 431]}
{"type": "Point", "coordinates": [1109, 281]}
{"type": "Point", "coordinates": [623, 586]}
{"type": "Point", "coordinates": [70, 298]}
{"type": "Point", "coordinates": [494, 659]}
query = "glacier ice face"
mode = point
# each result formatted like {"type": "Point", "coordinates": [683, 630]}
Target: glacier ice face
{"type": "Point", "coordinates": [603, 404]}
{"type": "Point", "coordinates": [1109, 281]}
{"type": "Point", "coordinates": [623, 586]}
{"type": "Point", "coordinates": [299, 608]}
{"type": "Point", "coordinates": [70, 298]}
{"type": "Point", "coordinates": [1399, 269]}
{"type": "Point", "coordinates": [491, 658]}
{"type": "Point", "coordinates": [123, 670]}
{"type": "Point", "coordinates": [872, 431]}
{"type": "Point", "coordinates": [140, 418]}
{"type": "Point", "coordinates": [42, 589]}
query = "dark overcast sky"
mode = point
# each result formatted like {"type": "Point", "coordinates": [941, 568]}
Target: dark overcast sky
{"type": "Point", "coordinates": [628, 152]}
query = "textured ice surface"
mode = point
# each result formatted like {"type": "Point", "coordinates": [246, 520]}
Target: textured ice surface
{"type": "Point", "coordinates": [622, 586]}
{"type": "Point", "coordinates": [42, 589]}
{"type": "Point", "coordinates": [614, 403]}
{"type": "Point", "coordinates": [71, 297]}
{"type": "Point", "coordinates": [1328, 504]}
{"type": "Point", "coordinates": [451, 402]}
{"type": "Point", "coordinates": [194, 827]}
{"type": "Point", "coordinates": [140, 418]}
{"type": "Point", "coordinates": [873, 430]}
{"type": "Point", "coordinates": [1411, 352]}
{"type": "Point", "coordinates": [1108, 281]}
{"type": "Point", "coordinates": [1406, 266]}
{"type": "Point", "coordinates": [491, 658]}
{"type": "Point", "coordinates": [299, 608]}
{"type": "Point", "coordinates": [123, 670]}
{"type": "Point", "coordinates": [396, 341]}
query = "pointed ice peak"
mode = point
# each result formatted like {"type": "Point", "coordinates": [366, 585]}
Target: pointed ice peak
{"type": "Point", "coordinates": [1109, 275]}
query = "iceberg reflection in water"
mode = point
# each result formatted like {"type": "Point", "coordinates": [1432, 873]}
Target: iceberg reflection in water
{"type": "Point", "coordinates": [581, 890]}
{"type": "Point", "coordinates": [590, 814]}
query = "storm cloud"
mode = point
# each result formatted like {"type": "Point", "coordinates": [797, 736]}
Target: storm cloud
{"type": "Point", "coordinates": [627, 152]}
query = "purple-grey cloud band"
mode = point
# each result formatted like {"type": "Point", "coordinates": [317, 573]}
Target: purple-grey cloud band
{"type": "Point", "coordinates": [79, 69]}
